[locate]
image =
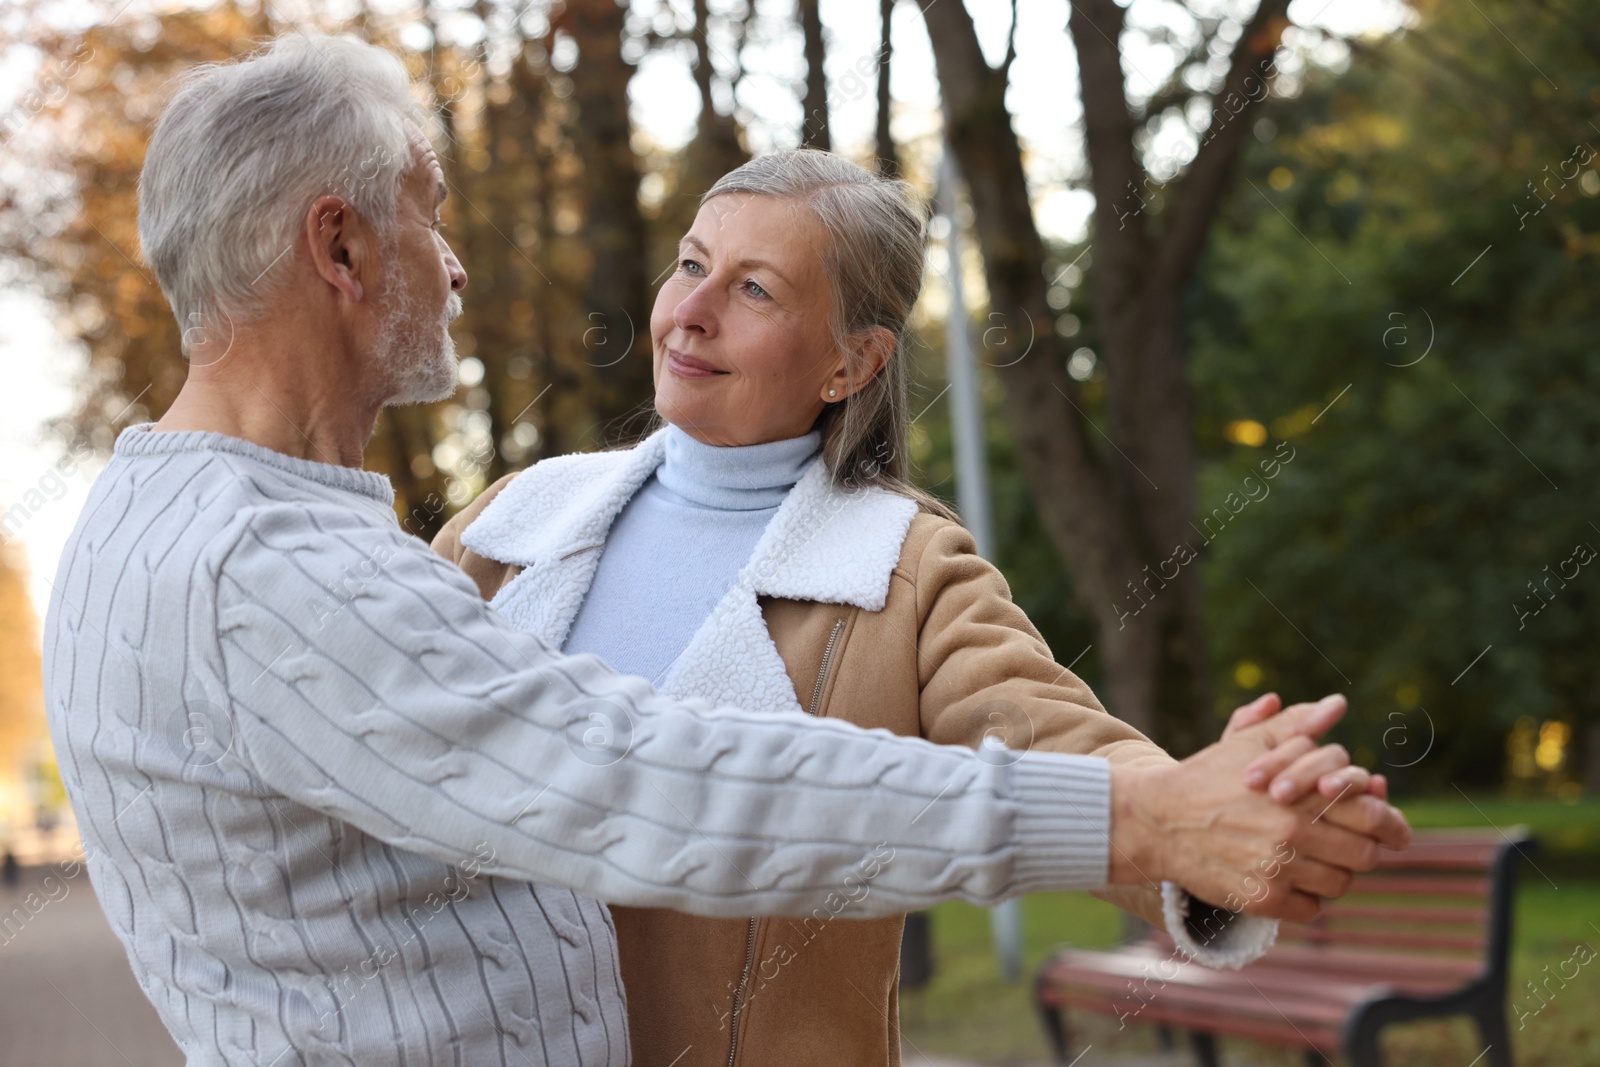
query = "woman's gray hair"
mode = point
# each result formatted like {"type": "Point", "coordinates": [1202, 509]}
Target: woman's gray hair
{"type": "Point", "coordinates": [877, 229]}
{"type": "Point", "coordinates": [243, 149]}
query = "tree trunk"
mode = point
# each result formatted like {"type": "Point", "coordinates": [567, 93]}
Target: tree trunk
{"type": "Point", "coordinates": [888, 158]}
{"type": "Point", "coordinates": [814, 127]}
{"type": "Point", "coordinates": [716, 148]}
{"type": "Point", "coordinates": [1120, 517]}
{"type": "Point", "coordinates": [615, 326]}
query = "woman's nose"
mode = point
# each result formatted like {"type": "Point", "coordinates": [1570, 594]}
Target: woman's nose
{"type": "Point", "coordinates": [697, 311]}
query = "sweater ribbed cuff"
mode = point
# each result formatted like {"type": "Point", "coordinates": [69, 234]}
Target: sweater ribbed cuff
{"type": "Point", "coordinates": [1063, 827]}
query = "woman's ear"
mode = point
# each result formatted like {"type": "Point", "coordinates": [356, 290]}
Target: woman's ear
{"type": "Point", "coordinates": [871, 352]}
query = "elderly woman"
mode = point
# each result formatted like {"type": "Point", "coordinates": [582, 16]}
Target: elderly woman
{"type": "Point", "coordinates": [765, 549]}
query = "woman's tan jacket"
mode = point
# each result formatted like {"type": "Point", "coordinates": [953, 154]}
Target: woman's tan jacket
{"type": "Point", "coordinates": [933, 647]}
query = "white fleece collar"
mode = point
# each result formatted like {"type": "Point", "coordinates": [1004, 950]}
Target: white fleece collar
{"type": "Point", "coordinates": [824, 544]}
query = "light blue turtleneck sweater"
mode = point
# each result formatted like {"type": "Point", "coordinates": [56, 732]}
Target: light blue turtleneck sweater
{"type": "Point", "coordinates": [678, 546]}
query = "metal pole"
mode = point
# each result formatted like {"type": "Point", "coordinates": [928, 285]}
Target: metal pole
{"type": "Point", "coordinates": [966, 400]}
{"type": "Point", "coordinates": [972, 481]}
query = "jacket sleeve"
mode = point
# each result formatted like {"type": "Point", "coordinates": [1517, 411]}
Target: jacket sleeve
{"type": "Point", "coordinates": [487, 574]}
{"type": "Point", "coordinates": [986, 674]}
{"type": "Point", "coordinates": [987, 677]}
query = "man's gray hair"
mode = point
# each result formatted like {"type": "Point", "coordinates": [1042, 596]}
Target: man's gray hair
{"type": "Point", "coordinates": [243, 149]}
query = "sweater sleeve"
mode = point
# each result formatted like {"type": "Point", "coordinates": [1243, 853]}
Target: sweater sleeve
{"type": "Point", "coordinates": [370, 683]}
{"type": "Point", "coordinates": [986, 674]}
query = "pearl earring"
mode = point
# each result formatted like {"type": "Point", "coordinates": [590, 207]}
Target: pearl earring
{"type": "Point", "coordinates": [833, 392]}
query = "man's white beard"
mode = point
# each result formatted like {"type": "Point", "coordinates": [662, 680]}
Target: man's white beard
{"type": "Point", "coordinates": [420, 357]}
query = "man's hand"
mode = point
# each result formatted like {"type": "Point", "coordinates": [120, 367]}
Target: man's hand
{"type": "Point", "coordinates": [1196, 823]}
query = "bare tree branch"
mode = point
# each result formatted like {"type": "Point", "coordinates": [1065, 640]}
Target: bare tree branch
{"type": "Point", "coordinates": [1116, 177]}
{"type": "Point", "coordinates": [1176, 92]}
{"type": "Point", "coordinates": [1201, 188]}
{"type": "Point", "coordinates": [1011, 45]}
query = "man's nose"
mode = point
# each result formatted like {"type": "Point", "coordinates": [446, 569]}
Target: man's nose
{"type": "Point", "coordinates": [458, 273]}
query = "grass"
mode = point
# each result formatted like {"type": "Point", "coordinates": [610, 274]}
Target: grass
{"type": "Point", "coordinates": [968, 1011]}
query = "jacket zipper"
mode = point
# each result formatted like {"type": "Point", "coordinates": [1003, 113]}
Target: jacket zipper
{"type": "Point", "coordinates": [738, 992]}
{"type": "Point", "coordinates": [750, 937]}
{"type": "Point", "coordinates": [827, 658]}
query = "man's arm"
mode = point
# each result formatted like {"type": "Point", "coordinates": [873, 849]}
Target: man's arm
{"type": "Point", "coordinates": [371, 683]}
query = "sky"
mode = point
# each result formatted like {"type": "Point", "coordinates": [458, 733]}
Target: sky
{"type": "Point", "coordinates": [40, 366]}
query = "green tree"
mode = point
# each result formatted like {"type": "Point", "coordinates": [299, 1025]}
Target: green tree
{"type": "Point", "coordinates": [1403, 291]}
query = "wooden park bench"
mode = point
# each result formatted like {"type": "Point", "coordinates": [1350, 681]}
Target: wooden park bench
{"type": "Point", "coordinates": [1424, 935]}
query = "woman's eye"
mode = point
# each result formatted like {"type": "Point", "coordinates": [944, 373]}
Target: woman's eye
{"type": "Point", "coordinates": [755, 289]}
{"type": "Point", "coordinates": [689, 266]}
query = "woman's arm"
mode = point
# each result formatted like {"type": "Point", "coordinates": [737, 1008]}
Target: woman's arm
{"type": "Point", "coordinates": [487, 574]}
{"type": "Point", "coordinates": [986, 673]}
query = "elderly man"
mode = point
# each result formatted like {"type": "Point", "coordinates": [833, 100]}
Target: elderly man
{"type": "Point", "coordinates": [338, 812]}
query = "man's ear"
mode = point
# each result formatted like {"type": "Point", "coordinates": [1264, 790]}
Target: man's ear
{"type": "Point", "coordinates": [872, 350]}
{"type": "Point", "coordinates": [340, 245]}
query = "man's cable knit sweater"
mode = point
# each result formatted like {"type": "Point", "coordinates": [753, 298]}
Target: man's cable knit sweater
{"type": "Point", "coordinates": [340, 813]}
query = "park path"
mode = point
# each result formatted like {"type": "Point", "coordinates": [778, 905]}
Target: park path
{"type": "Point", "coordinates": [67, 996]}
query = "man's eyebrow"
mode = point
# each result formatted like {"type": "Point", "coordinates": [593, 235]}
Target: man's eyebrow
{"type": "Point", "coordinates": [691, 239]}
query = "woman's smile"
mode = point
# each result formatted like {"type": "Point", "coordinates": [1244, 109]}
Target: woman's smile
{"type": "Point", "coordinates": [686, 366]}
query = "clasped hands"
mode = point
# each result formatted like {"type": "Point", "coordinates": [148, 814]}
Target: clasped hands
{"type": "Point", "coordinates": [1264, 821]}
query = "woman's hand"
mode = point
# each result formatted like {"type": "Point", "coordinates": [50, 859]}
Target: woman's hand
{"type": "Point", "coordinates": [1298, 766]}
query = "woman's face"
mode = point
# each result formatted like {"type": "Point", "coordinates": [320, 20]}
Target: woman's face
{"type": "Point", "coordinates": [742, 349]}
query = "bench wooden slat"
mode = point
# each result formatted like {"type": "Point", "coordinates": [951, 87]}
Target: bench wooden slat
{"type": "Point", "coordinates": [1420, 913]}
{"type": "Point", "coordinates": [1305, 1010]}
{"type": "Point", "coordinates": [1304, 1014]}
{"type": "Point", "coordinates": [1474, 857]}
{"type": "Point", "coordinates": [1432, 887]}
{"type": "Point", "coordinates": [1351, 964]}
{"type": "Point", "coordinates": [1239, 990]}
{"type": "Point", "coordinates": [1360, 962]}
{"type": "Point", "coordinates": [1231, 992]}
{"type": "Point", "coordinates": [1119, 969]}
{"type": "Point", "coordinates": [1328, 1002]}
{"type": "Point", "coordinates": [1278, 1033]}
{"type": "Point", "coordinates": [1462, 943]}
{"type": "Point", "coordinates": [1375, 966]}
